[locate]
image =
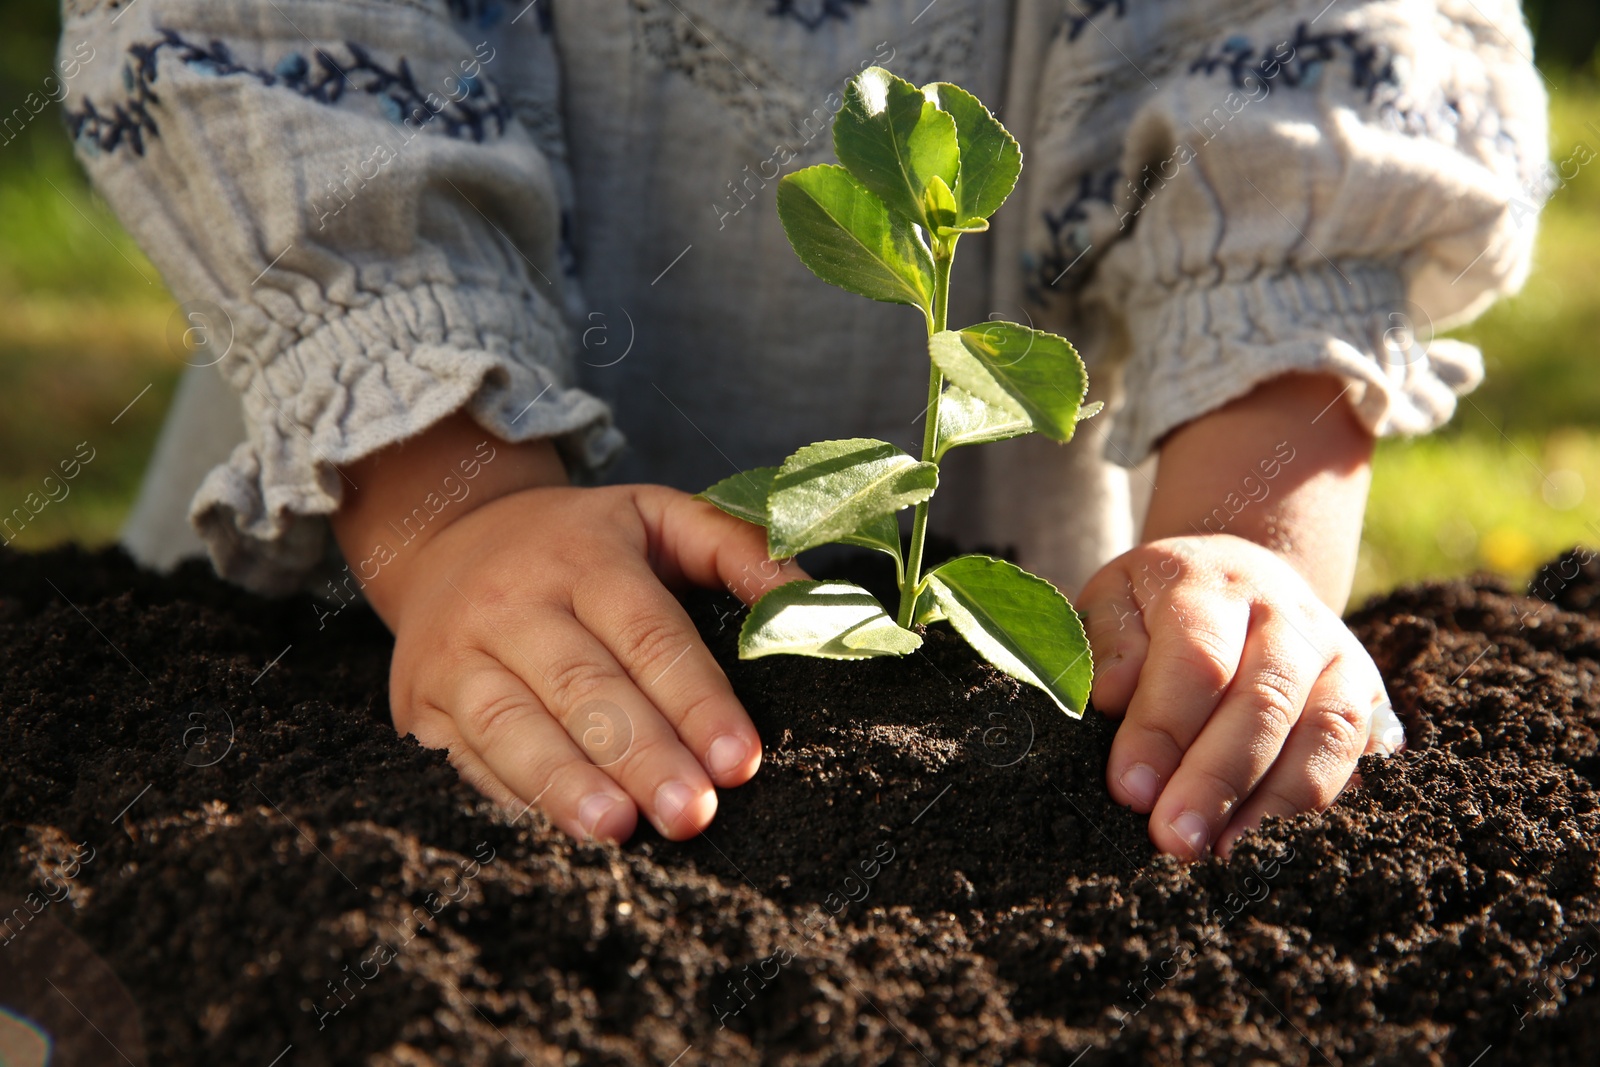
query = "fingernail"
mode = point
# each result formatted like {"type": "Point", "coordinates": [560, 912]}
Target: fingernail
{"type": "Point", "coordinates": [726, 755]}
{"type": "Point", "coordinates": [595, 806]}
{"type": "Point", "coordinates": [1192, 829]}
{"type": "Point", "coordinates": [672, 801]}
{"type": "Point", "coordinates": [1142, 783]}
{"type": "Point", "coordinates": [1387, 729]}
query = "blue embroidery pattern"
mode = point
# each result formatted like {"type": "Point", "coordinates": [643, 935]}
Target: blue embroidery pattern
{"type": "Point", "coordinates": [131, 121]}
{"type": "Point", "coordinates": [481, 13]}
{"type": "Point", "coordinates": [1090, 10]}
{"type": "Point", "coordinates": [1067, 240]}
{"type": "Point", "coordinates": [1300, 60]}
{"type": "Point", "coordinates": [818, 14]}
{"type": "Point", "coordinates": [485, 13]}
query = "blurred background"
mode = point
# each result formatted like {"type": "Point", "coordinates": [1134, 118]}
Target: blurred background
{"type": "Point", "coordinates": [1514, 479]}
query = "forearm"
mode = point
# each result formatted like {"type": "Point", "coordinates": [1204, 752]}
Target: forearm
{"type": "Point", "coordinates": [409, 492]}
{"type": "Point", "coordinates": [1286, 466]}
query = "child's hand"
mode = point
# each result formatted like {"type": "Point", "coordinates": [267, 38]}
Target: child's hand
{"type": "Point", "coordinates": [1220, 638]}
{"type": "Point", "coordinates": [536, 640]}
{"type": "Point", "coordinates": [1244, 694]}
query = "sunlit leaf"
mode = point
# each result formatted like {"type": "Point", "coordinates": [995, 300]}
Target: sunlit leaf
{"type": "Point", "coordinates": [837, 489]}
{"type": "Point", "coordinates": [1018, 622]}
{"type": "Point", "coordinates": [939, 205]}
{"type": "Point", "coordinates": [969, 226]}
{"type": "Point", "coordinates": [882, 535]}
{"type": "Point", "coordinates": [965, 419]}
{"type": "Point", "coordinates": [849, 238]}
{"type": "Point", "coordinates": [991, 160]}
{"type": "Point", "coordinates": [896, 140]}
{"type": "Point", "coordinates": [744, 495]}
{"type": "Point", "coordinates": [1016, 369]}
{"type": "Point", "coordinates": [831, 620]}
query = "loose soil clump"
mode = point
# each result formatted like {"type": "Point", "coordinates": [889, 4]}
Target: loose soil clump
{"type": "Point", "coordinates": [217, 851]}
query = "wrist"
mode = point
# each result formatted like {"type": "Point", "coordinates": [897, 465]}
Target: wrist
{"type": "Point", "coordinates": [407, 494]}
{"type": "Point", "coordinates": [1286, 467]}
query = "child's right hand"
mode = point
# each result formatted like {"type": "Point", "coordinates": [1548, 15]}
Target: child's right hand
{"type": "Point", "coordinates": [536, 639]}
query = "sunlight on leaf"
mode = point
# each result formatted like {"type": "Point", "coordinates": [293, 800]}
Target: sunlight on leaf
{"type": "Point", "coordinates": [1017, 369]}
{"type": "Point", "coordinates": [848, 237]}
{"type": "Point", "coordinates": [1018, 622]}
{"type": "Point", "coordinates": [896, 141]}
{"type": "Point", "coordinates": [831, 491]}
{"type": "Point", "coordinates": [831, 620]}
{"type": "Point", "coordinates": [744, 495]}
{"type": "Point", "coordinates": [991, 160]}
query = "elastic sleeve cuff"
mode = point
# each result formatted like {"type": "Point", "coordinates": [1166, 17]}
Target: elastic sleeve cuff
{"type": "Point", "coordinates": [1194, 350]}
{"type": "Point", "coordinates": [428, 351]}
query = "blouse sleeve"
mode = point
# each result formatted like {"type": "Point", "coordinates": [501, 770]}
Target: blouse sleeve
{"type": "Point", "coordinates": [1325, 188]}
{"type": "Point", "coordinates": [343, 195]}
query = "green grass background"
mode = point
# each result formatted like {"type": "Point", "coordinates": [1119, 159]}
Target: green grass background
{"type": "Point", "coordinates": [1515, 478]}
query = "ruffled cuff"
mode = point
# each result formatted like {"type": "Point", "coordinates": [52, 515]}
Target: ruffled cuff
{"type": "Point", "coordinates": [426, 352]}
{"type": "Point", "coordinates": [1196, 349]}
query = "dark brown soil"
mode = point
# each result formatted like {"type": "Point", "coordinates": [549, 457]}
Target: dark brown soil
{"type": "Point", "coordinates": [927, 869]}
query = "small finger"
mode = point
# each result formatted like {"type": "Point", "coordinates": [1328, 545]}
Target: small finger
{"type": "Point", "coordinates": [589, 693]}
{"type": "Point", "coordinates": [652, 637]}
{"type": "Point", "coordinates": [507, 729]}
{"type": "Point", "coordinates": [1318, 757]}
{"type": "Point", "coordinates": [1196, 641]}
{"type": "Point", "coordinates": [1243, 737]}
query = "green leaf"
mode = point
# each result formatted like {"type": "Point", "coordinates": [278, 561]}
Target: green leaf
{"type": "Point", "coordinates": [882, 534]}
{"type": "Point", "coordinates": [965, 419]}
{"type": "Point", "coordinates": [848, 237]}
{"type": "Point", "coordinates": [1018, 622]}
{"type": "Point", "coordinates": [837, 489]}
{"type": "Point", "coordinates": [991, 160]}
{"type": "Point", "coordinates": [744, 495]}
{"type": "Point", "coordinates": [896, 140]}
{"type": "Point", "coordinates": [1016, 369]}
{"type": "Point", "coordinates": [830, 620]}
{"type": "Point", "coordinates": [969, 226]}
{"type": "Point", "coordinates": [926, 608]}
{"type": "Point", "coordinates": [939, 205]}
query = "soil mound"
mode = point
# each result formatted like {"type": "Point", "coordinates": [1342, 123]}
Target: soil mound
{"type": "Point", "coordinates": [217, 851]}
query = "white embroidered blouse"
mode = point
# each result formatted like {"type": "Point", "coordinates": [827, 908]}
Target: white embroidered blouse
{"type": "Point", "coordinates": [559, 215]}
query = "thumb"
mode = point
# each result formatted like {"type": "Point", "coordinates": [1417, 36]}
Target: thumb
{"type": "Point", "coordinates": [694, 543]}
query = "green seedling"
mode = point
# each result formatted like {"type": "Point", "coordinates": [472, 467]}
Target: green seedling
{"type": "Point", "coordinates": [920, 169]}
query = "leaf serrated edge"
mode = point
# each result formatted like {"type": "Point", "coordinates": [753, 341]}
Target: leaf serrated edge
{"type": "Point", "coordinates": [919, 298]}
{"type": "Point", "coordinates": [1002, 636]}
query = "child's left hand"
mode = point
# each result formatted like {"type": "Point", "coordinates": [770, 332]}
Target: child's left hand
{"type": "Point", "coordinates": [1244, 694]}
{"type": "Point", "coordinates": [1219, 637]}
